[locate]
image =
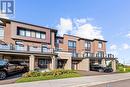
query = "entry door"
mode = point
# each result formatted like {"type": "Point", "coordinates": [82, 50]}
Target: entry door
{"type": "Point", "coordinates": [61, 64]}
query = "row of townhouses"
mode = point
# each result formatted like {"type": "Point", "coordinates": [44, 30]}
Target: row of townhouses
{"type": "Point", "coordinates": [40, 46]}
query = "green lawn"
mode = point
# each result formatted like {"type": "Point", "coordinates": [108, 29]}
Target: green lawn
{"type": "Point", "coordinates": [49, 77]}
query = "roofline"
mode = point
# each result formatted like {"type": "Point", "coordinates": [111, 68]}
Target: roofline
{"type": "Point", "coordinates": [54, 30]}
{"type": "Point", "coordinates": [9, 20]}
{"type": "Point", "coordinates": [100, 40]}
{"type": "Point", "coordinates": [72, 35]}
{"type": "Point", "coordinates": [86, 38]}
{"type": "Point", "coordinates": [59, 37]}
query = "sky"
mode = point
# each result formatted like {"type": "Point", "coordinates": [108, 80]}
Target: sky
{"type": "Point", "coordinates": [102, 19]}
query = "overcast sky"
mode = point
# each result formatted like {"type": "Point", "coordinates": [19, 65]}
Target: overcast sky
{"type": "Point", "coordinates": [103, 19]}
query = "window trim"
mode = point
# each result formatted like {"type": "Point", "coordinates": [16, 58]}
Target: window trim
{"type": "Point", "coordinates": [2, 28]}
{"type": "Point", "coordinates": [26, 33]}
{"type": "Point", "coordinates": [42, 35]}
{"type": "Point", "coordinates": [87, 44]}
{"type": "Point", "coordinates": [71, 44]}
{"type": "Point", "coordinates": [100, 44]}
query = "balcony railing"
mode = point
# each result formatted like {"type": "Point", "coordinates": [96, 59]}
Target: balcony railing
{"type": "Point", "coordinates": [5, 47]}
{"type": "Point", "coordinates": [26, 48]}
{"type": "Point", "coordinates": [35, 49]}
{"type": "Point", "coordinates": [92, 55]}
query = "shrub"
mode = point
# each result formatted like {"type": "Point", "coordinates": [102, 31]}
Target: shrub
{"type": "Point", "coordinates": [55, 72]}
{"type": "Point", "coordinates": [32, 74]}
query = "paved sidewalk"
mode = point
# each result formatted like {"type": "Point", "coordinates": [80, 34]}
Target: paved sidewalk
{"type": "Point", "coordinates": [122, 83]}
{"type": "Point", "coordinates": [74, 82]}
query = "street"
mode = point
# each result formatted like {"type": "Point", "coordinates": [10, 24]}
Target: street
{"type": "Point", "coordinates": [123, 83]}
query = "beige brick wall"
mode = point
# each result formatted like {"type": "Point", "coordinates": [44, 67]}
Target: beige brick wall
{"type": "Point", "coordinates": [84, 65]}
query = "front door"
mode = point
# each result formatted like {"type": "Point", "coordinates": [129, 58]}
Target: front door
{"type": "Point", "coordinates": [61, 64]}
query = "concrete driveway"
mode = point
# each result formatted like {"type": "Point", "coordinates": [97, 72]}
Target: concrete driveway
{"type": "Point", "coordinates": [85, 81]}
{"type": "Point", "coordinates": [93, 73]}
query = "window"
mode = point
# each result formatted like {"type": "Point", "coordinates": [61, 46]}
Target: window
{"type": "Point", "coordinates": [31, 33]}
{"type": "Point", "coordinates": [22, 32]}
{"type": "Point", "coordinates": [44, 63]}
{"type": "Point", "coordinates": [37, 34]}
{"type": "Point", "coordinates": [100, 54]}
{"type": "Point", "coordinates": [100, 44]}
{"type": "Point", "coordinates": [72, 44]}
{"type": "Point", "coordinates": [72, 47]}
{"type": "Point", "coordinates": [28, 33]}
{"type": "Point", "coordinates": [3, 63]}
{"type": "Point", "coordinates": [43, 36]}
{"type": "Point", "coordinates": [1, 32]}
{"type": "Point", "coordinates": [87, 44]}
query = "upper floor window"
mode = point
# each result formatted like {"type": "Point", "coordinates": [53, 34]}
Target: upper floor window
{"type": "Point", "coordinates": [43, 36]}
{"type": "Point", "coordinates": [1, 32]}
{"type": "Point", "coordinates": [37, 34]}
{"type": "Point", "coordinates": [28, 33]}
{"type": "Point", "coordinates": [87, 44]}
{"type": "Point", "coordinates": [31, 33]}
{"type": "Point", "coordinates": [21, 32]}
{"type": "Point", "coordinates": [100, 44]}
{"type": "Point", "coordinates": [71, 44]}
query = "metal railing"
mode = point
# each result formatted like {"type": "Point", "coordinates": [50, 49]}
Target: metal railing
{"type": "Point", "coordinates": [92, 55]}
{"type": "Point", "coordinates": [22, 48]}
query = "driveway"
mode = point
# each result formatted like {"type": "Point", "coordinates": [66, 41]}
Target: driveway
{"type": "Point", "coordinates": [10, 79]}
{"type": "Point", "coordinates": [92, 73]}
{"type": "Point", "coordinates": [85, 81]}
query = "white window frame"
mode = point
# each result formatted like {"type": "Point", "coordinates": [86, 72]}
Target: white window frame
{"type": "Point", "coordinates": [28, 33]}
{"type": "Point", "coordinates": [22, 32]}
{"type": "Point", "coordinates": [1, 32]}
{"type": "Point", "coordinates": [100, 44]}
{"type": "Point", "coordinates": [38, 35]}
{"type": "Point", "coordinates": [43, 35]}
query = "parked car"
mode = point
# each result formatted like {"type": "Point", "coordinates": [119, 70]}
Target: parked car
{"type": "Point", "coordinates": [8, 68]}
{"type": "Point", "coordinates": [100, 68]}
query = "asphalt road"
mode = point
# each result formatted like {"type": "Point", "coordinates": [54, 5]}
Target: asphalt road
{"type": "Point", "coordinates": [123, 83]}
{"type": "Point", "coordinates": [11, 79]}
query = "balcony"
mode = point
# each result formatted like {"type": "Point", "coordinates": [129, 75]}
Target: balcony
{"type": "Point", "coordinates": [92, 55]}
{"type": "Point", "coordinates": [20, 48]}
